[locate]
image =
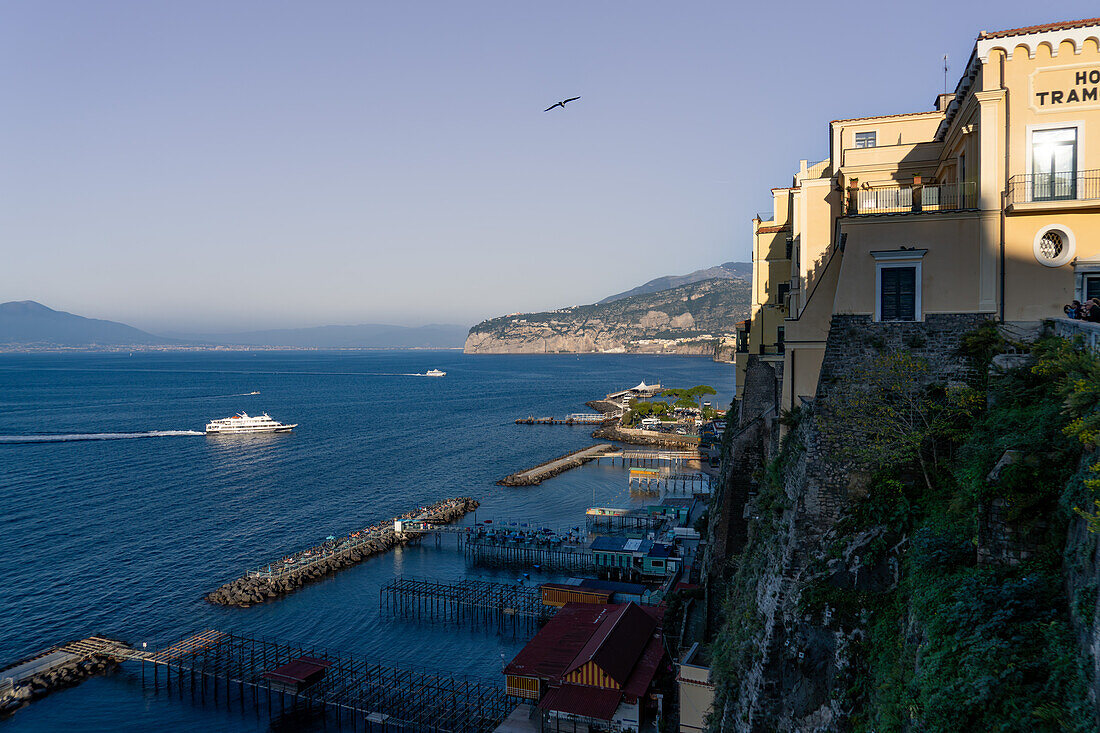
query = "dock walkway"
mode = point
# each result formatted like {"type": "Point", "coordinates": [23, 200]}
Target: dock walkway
{"type": "Point", "coordinates": [543, 471]}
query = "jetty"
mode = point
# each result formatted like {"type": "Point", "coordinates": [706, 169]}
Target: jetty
{"type": "Point", "coordinates": [580, 418]}
{"type": "Point", "coordinates": [649, 458]}
{"type": "Point", "coordinates": [284, 677]}
{"type": "Point", "coordinates": [527, 551]}
{"type": "Point", "coordinates": [287, 574]}
{"type": "Point", "coordinates": [543, 471]}
{"type": "Point", "coordinates": [57, 668]}
{"type": "Point", "coordinates": [476, 602]}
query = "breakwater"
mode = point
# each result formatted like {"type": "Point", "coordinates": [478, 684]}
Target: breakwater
{"type": "Point", "coordinates": [289, 573]}
{"type": "Point", "coordinates": [543, 471]}
{"type": "Point", "coordinates": [55, 669]}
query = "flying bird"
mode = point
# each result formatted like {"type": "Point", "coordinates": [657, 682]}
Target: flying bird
{"type": "Point", "coordinates": [561, 104]}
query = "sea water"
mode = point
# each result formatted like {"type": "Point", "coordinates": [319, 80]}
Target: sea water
{"type": "Point", "coordinates": [118, 514]}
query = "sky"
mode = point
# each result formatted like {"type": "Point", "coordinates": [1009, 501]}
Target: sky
{"type": "Point", "coordinates": [234, 165]}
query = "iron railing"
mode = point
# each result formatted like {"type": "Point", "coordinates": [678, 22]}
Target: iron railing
{"type": "Point", "coordinates": [913, 199]}
{"type": "Point", "coordinates": [1065, 186]}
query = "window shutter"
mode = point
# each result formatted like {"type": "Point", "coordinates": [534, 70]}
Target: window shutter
{"type": "Point", "coordinates": [899, 294]}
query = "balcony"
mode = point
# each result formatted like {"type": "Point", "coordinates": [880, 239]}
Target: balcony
{"type": "Point", "coordinates": [912, 199]}
{"type": "Point", "coordinates": [1070, 190]}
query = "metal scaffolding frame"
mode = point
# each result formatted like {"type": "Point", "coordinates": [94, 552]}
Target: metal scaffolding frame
{"type": "Point", "coordinates": [469, 601]}
{"type": "Point", "coordinates": [354, 690]}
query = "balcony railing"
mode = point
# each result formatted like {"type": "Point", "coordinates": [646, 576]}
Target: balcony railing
{"type": "Point", "coordinates": [1067, 186]}
{"type": "Point", "coordinates": [913, 199]}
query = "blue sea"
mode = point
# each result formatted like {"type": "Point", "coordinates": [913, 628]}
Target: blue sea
{"type": "Point", "coordinates": [107, 530]}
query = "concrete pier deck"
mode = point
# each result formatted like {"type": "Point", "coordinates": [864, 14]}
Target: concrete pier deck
{"type": "Point", "coordinates": [543, 471]}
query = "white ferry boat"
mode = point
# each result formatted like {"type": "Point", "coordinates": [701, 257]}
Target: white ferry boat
{"type": "Point", "coordinates": [243, 423]}
{"type": "Point", "coordinates": [434, 373]}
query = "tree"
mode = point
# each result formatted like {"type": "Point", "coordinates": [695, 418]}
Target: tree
{"type": "Point", "coordinates": [881, 414]}
{"type": "Point", "coordinates": [698, 392]}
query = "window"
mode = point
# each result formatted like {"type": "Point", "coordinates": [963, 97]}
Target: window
{"type": "Point", "coordinates": [866, 139]}
{"type": "Point", "coordinates": [1054, 164]}
{"type": "Point", "coordinates": [1092, 287]}
{"type": "Point", "coordinates": [898, 293]}
{"type": "Point", "coordinates": [781, 297]}
{"type": "Point", "coordinates": [780, 334]}
{"type": "Point", "coordinates": [790, 247]}
{"type": "Point", "coordinates": [1054, 245]}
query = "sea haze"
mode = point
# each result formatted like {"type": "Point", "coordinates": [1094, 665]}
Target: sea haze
{"type": "Point", "coordinates": [109, 530]}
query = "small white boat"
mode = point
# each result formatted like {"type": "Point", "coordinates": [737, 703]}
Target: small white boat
{"type": "Point", "coordinates": [434, 373]}
{"type": "Point", "coordinates": [242, 423]}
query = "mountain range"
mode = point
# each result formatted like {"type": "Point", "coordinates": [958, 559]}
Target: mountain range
{"type": "Point", "coordinates": [725, 271]}
{"type": "Point", "coordinates": [27, 324]}
{"type": "Point", "coordinates": [690, 313]}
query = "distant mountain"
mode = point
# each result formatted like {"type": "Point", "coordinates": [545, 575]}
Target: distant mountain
{"type": "Point", "coordinates": [698, 318]}
{"type": "Point", "coordinates": [725, 271]}
{"type": "Point", "coordinates": [27, 323]}
{"type": "Point", "coordinates": [367, 335]}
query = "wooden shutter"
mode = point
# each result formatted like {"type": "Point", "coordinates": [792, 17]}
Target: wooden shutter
{"type": "Point", "coordinates": [899, 294]}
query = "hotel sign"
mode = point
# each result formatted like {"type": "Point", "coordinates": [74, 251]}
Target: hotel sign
{"type": "Point", "coordinates": [1064, 88]}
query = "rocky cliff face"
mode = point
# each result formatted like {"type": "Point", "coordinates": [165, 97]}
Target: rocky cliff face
{"type": "Point", "coordinates": [944, 591]}
{"type": "Point", "coordinates": [695, 319]}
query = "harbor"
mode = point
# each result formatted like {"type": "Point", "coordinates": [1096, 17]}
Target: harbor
{"type": "Point", "coordinates": [503, 573]}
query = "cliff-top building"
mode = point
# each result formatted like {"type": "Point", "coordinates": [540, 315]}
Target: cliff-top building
{"type": "Point", "coordinates": [984, 206]}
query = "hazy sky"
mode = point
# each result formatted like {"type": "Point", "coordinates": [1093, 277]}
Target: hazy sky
{"type": "Point", "coordinates": [230, 165]}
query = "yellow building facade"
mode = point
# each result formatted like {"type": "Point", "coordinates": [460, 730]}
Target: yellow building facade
{"type": "Point", "coordinates": [989, 203]}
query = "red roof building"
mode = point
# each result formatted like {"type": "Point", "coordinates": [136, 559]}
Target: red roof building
{"type": "Point", "coordinates": [592, 664]}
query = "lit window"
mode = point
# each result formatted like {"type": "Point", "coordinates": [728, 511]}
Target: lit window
{"type": "Point", "coordinates": [1054, 164]}
{"type": "Point", "coordinates": [866, 139]}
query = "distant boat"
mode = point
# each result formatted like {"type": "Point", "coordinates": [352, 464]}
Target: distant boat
{"type": "Point", "coordinates": [242, 423]}
{"type": "Point", "coordinates": [252, 393]}
{"type": "Point", "coordinates": [434, 373]}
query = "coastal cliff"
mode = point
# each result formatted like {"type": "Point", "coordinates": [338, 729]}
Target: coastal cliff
{"type": "Point", "coordinates": [919, 550]}
{"type": "Point", "coordinates": [697, 319]}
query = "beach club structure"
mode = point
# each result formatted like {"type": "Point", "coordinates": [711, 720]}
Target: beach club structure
{"type": "Point", "coordinates": [630, 558]}
{"type": "Point", "coordinates": [984, 205]}
{"type": "Point", "coordinates": [593, 667]}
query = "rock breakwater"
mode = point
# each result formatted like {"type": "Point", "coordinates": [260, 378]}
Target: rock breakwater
{"type": "Point", "coordinates": [292, 572]}
{"type": "Point", "coordinates": [58, 677]}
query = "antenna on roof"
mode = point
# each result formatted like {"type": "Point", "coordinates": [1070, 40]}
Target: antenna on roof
{"type": "Point", "coordinates": [945, 73]}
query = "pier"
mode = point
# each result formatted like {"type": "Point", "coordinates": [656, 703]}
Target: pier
{"type": "Point", "coordinates": [649, 458]}
{"type": "Point", "coordinates": [279, 577]}
{"type": "Point", "coordinates": [487, 550]}
{"type": "Point", "coordinates": [233, 670]}
{"type": "Point", "coordinates": [351, 689]}
{"type": "Point", "coordinates": [543, 471]}
{"type": "Point", "coordinates": [476, 602]}
{"type": "Point", "coordinates": [580, 418]}
{"type": "Point", "coordinates": [602, 520]}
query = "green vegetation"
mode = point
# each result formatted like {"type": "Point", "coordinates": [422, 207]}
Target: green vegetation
{"type": "Point", "coordinates": [954, 644]}
{"type": "Point", "coordinates": [662, 405]}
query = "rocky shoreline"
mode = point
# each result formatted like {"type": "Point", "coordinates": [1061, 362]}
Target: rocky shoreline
{"type": "Point", "coordinates": [644, 438]}
{"type": "Point", "coordinates": [249, 590]}
{"type": "Point", "coordinates": [58, 678]}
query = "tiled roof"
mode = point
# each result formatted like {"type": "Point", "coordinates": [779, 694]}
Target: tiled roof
{"type": "Point", "coordinates": [589, 702]}
{"type": "Point", "coordinates": [645, 669]}
{"type": "Point", "coordinates": [556, 645]}
{"type": "Point", "coordinates": [1062, 26]}
{"type": "Point", "coordinates": [887, 117]}
{"type": "Point", "coordinates": [618, 643]}
{"type": "Point", "coordinates": [773, 230]}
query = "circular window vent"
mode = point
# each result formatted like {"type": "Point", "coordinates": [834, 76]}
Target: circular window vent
{"type": "Point", "coordinates": [1054, 245]}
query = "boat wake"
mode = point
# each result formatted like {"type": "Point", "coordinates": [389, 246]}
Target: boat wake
{"type": "Point", "coordinates": [69, 437]}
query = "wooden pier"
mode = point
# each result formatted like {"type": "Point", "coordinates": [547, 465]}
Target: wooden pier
{"type": "Point", "coordinates": [649, 458]}
{"type": "Point", "coordinates": [494, 551]}
{"type": "Point", "coordinates": [543, 471]}
{"type": "Point", "coordinates": [350, 689]}
{"type": "Point", "coordinates": [617, 521]}
{"type": "Point", "coordinates": [476, 602]}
